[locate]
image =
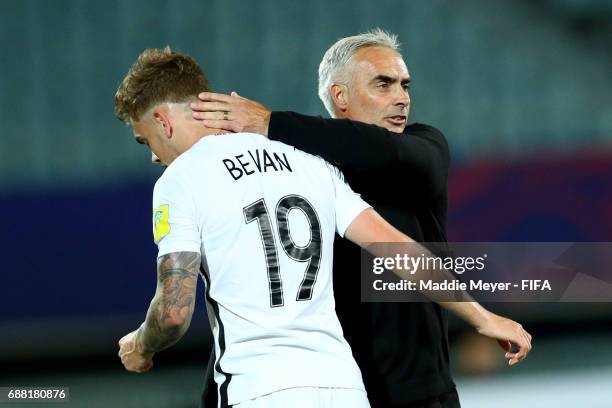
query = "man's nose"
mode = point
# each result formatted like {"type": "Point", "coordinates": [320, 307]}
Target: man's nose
{"type": "Point", "coordinates": [155, 159]}
{"type": "Point", "coordinates": [402, 97]}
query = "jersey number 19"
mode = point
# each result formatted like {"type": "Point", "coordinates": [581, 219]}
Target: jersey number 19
{"type": "Point", "coordinates": [310, 253]}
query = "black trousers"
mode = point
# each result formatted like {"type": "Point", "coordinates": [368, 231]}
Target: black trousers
{"type": "Point", "coordinates": [209, 393]}
{"type": "Point", "coordinates": [447, 400]}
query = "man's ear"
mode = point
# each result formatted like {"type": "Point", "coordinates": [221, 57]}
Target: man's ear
{"type": "Point", "coordinates": [162, 119]}
{"type": "Point", "coordinates": [339, 94]}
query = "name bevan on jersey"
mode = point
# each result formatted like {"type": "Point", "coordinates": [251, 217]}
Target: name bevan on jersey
{"type": "Point", "coordinates": [247, 164]}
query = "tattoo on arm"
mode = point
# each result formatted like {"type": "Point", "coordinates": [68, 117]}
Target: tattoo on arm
{"type": "Point", "coordinates": [171, 309]}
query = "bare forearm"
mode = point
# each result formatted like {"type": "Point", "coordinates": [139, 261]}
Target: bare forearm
{"type": "Point", "coordinates": [156, 333]}
{"type": "Point", "coordinates": [170, 312]}
{"type": "Point", "coordinates": [371, 227]}
{"type": "Point", "coordinates": [471, 312]}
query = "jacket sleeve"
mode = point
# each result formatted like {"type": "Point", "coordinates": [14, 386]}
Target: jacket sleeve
{"type": "Point", "coordinates": [420, 152]}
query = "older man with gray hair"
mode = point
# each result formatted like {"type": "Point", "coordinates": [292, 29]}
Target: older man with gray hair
{"type": "Point", "coordinates": [347, 60]}
{"type": "Point", "coordinates": [401, 170]}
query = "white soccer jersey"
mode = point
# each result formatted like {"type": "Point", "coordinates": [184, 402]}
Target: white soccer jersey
{"type": "Point", "coordinates": [263, 215]}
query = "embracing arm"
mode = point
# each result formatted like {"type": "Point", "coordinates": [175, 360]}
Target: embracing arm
{"type": "Point", "coordinates": [170, 312]}
{"type": "Point", "coordinates": [422, 151]}
{"type": "Point", "coordinates": [363, 147]}
{"type": "Point", "coordinates": [369, 226]}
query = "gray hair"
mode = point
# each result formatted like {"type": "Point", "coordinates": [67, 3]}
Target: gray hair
{"type": "Point", "coordinates": [338, 56]}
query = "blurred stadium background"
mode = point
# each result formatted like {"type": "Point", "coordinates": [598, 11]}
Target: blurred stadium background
{"type": "Point", "coordinates": [522, 89]}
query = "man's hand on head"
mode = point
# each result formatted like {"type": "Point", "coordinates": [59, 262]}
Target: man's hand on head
{"type": "Point", "coordinates": [231, 112]}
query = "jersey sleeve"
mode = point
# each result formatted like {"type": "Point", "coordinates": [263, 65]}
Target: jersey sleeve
{"type": "Point", "coordinates": [175, 226]}
{"type": "Point", "coordinates": [348, 203]}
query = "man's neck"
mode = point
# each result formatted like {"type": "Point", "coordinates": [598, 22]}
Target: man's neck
{"type": "Point", "coordinates": [197, 132]}
{"type": "Point", "coordinates": [189, 130]}
{"type": "Point", "coordinates": [194, 132]}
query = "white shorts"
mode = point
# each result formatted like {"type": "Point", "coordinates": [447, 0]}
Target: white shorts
{"type": "Point", "coordinates": [310, 397]}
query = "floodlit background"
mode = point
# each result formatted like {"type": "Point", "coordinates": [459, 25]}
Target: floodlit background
{"type": "Point", "coordinates": [522, 90]}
